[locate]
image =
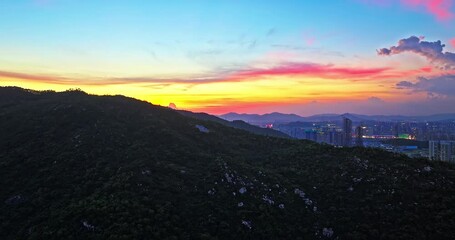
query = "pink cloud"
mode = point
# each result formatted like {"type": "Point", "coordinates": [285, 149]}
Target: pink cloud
{"type": "Point", "coordinates": [439, 8]}
{"type": "Point", "coordinates": [285, 69]}
{"type": "Point", "coordinates": [311, 69]}
{"type": "Point", "coordinates": [452, 42]}
{"type": "Point", "coordinates": [310, 41]}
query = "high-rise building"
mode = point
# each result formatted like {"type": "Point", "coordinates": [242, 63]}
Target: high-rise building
{"type": "Point", "coordinates": [347, 131]}
{"type": "Point", "coordinates": [311, 135]}
{"type": "Point", "coordinates": [359, 136]}
{"type": "Point", "coordinates": [447, 151]}
{"type": "Point", "coordinates": [396, 130]}
{"type": "Point", "coordinates": [433, 150]}
{"type": "Point", "coordinates": [442, 151]}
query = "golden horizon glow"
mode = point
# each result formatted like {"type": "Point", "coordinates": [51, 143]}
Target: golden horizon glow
{"type": "Point", "coordinates": [217, 97]}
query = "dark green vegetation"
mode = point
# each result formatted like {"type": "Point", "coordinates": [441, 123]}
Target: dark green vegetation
{"type": "Point", "coordinates": [406, 142]}
{"type": "Point", "coordinates": [75, 166]}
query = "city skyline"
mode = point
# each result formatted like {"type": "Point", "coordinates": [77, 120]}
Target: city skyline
{"type": "Point", "coordinates": [362, 56]}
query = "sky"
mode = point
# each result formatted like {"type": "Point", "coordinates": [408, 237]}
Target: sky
{"type": "Point", "coordinates": [258, 56]}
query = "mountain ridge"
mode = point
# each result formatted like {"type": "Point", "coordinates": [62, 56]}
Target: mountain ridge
{"type": "Point", "coordinates": [80, 166]}
{"type": "Point", "coordinates": [288, 118]}
{"type": "Point", "coordinates": [236, 124]}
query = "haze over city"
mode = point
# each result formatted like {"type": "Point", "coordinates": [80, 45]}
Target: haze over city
{"type": "Point", "coordinates": [361, 56]}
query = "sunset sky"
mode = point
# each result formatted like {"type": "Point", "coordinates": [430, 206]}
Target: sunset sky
{"type": "Point", "coordinates": [257, 56]}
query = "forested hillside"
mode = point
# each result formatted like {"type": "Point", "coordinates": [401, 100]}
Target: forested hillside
{"type": "Point", "coordinates": [78, 166]}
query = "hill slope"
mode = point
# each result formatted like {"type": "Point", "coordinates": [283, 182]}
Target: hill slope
{"type": "Point", "coordinates": [76, 166]}
{"type": "Point", "coordinates": [236, 124]}
{"type": "Point", "coordinates": [264, 118]}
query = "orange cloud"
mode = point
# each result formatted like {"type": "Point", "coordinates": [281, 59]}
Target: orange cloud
{"type": "Point", "coordinates": [32, 77]}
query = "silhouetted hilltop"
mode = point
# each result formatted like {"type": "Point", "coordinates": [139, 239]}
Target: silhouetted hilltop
{"type": "Point", "coordinates": [236, 124]}
{"type": "Point", "coordinates": [79, 166]}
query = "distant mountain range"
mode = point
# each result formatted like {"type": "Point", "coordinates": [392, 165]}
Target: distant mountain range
{"type": "Point", "coordinates": [277, 118]}
{"type": "Point", "coordinates": [239, 124]}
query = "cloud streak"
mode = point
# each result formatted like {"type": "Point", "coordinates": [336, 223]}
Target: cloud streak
{"type": "Point", "coordinates": [33, 77]}
{"type": "Point", "coordinates": [312, 70]}
{"type": "Point", "coordinates": [256, 74]}
{"type": "Point", "coordinates": [291, 69]}
{"type": "Point", "coordinates": [433, 51]}
{"type": "Point", "coordinates": [441, 85]}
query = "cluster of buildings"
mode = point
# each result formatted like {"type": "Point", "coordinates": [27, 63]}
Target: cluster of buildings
{"type": "Point", "coordinates": [329, 133]}
{"type": "Point", "coordinates": [433, 140]}
{"type": "Point", "coordinates": [422, 131]}
{"type": "Point", "coordinates": [442, 151]}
